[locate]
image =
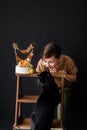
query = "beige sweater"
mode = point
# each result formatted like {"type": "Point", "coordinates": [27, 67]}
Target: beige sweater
{"type": "Point", "coordinates": [66, 63]}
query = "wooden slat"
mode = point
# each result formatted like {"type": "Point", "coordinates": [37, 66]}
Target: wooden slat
{"type": "Point", "coordinates": [28, 99]}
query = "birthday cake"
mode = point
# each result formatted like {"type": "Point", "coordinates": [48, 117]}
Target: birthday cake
{"type": "Point", "coordinates": [24, 66]}
{"type": "Point", "coordinates": [23, 70]}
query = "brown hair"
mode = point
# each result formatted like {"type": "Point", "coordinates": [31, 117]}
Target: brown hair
{"type": "Point", "coordinates": [51, 49]}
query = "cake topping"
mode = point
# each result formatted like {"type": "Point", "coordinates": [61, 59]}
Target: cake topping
{"type": "Point", "coordinates": [26, 62]}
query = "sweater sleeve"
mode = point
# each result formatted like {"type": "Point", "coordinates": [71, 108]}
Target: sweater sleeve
{"type": "Point", "coordinates": [40, 67]}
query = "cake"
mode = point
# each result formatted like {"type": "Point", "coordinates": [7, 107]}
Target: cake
{"type": "Point", "coordinates": [24, 65]}
{"type": "Point", "coordinates": [23, 70]}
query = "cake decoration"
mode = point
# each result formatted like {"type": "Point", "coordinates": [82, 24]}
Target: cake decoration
{"type": "Point", "coordinates": [23, 65]}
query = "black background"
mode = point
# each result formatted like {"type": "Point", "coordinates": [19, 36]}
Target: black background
{"type": "Point", "coordinates": [63, 22]}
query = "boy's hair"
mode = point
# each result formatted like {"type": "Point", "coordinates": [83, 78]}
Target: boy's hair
{"type": "Point", "coordinates": [51, 49]}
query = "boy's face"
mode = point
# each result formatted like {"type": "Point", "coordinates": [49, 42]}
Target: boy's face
{"type": "Point", "coordinates": [50, 62]}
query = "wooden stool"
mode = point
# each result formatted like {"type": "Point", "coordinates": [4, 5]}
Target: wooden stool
{"type": "Point", "coordinates": [21, 123]}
